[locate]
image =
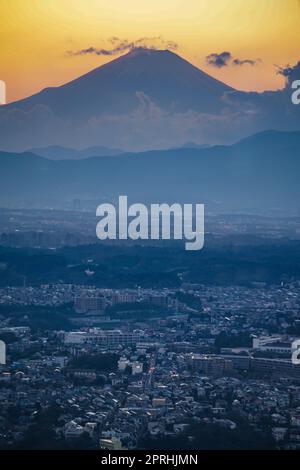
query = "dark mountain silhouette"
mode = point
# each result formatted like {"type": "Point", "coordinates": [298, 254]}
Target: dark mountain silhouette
{"type": "Point", "coordinates": [55, 152]}
{"type": "Point", "coordinates": [116, 88]}
{"type": "Point", "coordinates": [146, 99]}
{"type": "Point", "coordinates": [257, 173]}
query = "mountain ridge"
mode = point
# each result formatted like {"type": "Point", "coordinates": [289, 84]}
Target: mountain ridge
{"type": "Point", "coordinates": [156, 73]}
{"type": "Point", "coordinates": [141, 100]}
{"type": "Point", "coordinates": [263, 176]}
{"type": "Point", "coordinates": [56, 152]}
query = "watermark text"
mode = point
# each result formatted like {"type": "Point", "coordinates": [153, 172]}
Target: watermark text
{"type": "Point", "coordinates": [164, 221]}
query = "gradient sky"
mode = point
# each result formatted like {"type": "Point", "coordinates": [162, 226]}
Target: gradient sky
{"type": "Point", "coordinates": [36, 35]}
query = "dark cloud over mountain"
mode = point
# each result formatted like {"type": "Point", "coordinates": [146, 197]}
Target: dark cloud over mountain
{"type": "Point", "coordinates": [225, 59]}
{"type": "Point", "coordinates": [118, 46]}
{"type": "Point", "coordinates": [244, 61]}
{"type": "Point", "coordinates": [219, 60]}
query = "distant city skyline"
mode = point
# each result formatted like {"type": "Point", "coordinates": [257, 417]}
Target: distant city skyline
{"type": "Point", "coordinates": [52, 42]}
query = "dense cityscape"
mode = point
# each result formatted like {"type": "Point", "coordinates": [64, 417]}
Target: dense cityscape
{"type": "Point", "coordinates": [193, 367]}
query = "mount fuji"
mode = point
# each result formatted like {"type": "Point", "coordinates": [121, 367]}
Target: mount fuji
{"type": "Point", "coordinates": [145, 99]}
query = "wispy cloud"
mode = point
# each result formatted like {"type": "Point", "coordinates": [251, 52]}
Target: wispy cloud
{"type": "Point", "coordinates": [224, 59]}
{"type": "Point", "coordinates": [117, 45]}
{"type": "Point", "coordinates": [245, 61]}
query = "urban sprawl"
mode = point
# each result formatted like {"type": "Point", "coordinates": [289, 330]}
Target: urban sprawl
{"type": "Point", "coordinates": [138, 367]}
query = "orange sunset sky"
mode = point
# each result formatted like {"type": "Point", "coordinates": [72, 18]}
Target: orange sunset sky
{"type": "Point", "coordinates": [39, 38]}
